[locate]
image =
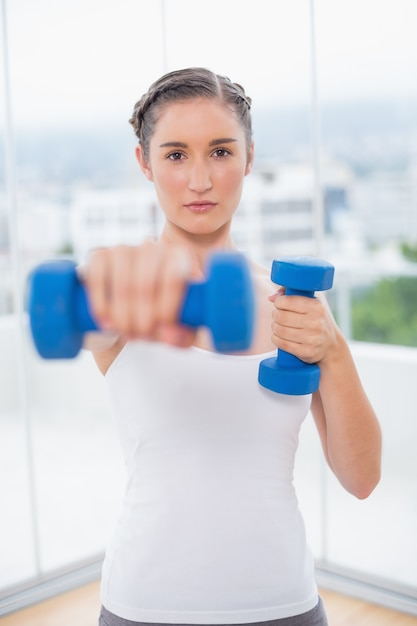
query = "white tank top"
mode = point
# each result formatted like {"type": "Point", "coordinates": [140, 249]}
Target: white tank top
{"type": "Point", "coordinates": [210, 530]}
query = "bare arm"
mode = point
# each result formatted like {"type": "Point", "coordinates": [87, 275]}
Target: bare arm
{"type": "Point", "coordinates": [348, 427]}
{"type": "Point", "coordinates": [349, 430]}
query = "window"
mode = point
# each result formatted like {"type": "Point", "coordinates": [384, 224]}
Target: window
{"type": "Point", "coordinates": [73, 185]}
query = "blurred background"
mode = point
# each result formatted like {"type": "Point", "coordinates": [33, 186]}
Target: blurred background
{"type": "Point", "coordinates": [334, 90]}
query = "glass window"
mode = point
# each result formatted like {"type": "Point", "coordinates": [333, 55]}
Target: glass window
{"type": "Point", "coordinates": [76, 68]}
{"type": "Point", "coordinates": [366, 65]}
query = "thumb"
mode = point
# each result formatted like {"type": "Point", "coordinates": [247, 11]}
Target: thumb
{"type": "Point", "coordinates": [279, 292]}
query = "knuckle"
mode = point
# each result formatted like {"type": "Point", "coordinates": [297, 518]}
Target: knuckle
{"type": "Point", "coordinates": [143, 327]}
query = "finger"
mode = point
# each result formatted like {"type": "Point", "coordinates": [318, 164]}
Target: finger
{"type": "Point", "coordinates": [120, 287]}
{"type": "Point", "coordinates": [289, 319]}
{"type": "Point", "coordinates": [287, 333]}
{"type": "Point", "coordinates": [298, 304]}
{"type": "Point", "coordinates": [95, 276]}
{"type": "Point", "coordinates": [305, 343]}
{"type": "Point", "coordinates": [146, 269]}
{"type": "Point", "coordinates": [278, 293]}
{"type": "Point", "coordinates": [174, 275]}
{"type": "Point", "coordinates": [301, 350]}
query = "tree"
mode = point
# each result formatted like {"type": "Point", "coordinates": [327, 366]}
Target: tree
{"type": "Point", "coordinates": [387, 313]}
{"type": "Point", "coordinates": [409, 252]}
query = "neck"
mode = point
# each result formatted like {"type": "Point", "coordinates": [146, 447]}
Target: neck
{"type": "Point", "coordinates": [199, 246]}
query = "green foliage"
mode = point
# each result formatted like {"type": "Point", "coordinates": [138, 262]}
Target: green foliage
{"type": "Point", "coordinates": [409, 252]}
{"type": "Point", "coordinates": [386, 313]}
{"type": "Point", "coordinates": [66, 249]}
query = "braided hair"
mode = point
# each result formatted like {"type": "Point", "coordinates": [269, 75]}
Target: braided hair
{"type": "Point", "coordinates": [185, 84]}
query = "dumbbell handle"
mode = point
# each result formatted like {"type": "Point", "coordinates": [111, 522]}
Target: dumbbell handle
{"type": "Point", "coordinates": [286, 359]}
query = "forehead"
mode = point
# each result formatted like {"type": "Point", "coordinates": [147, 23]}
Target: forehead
{"type": "Point", "coordinates": [198, 118]}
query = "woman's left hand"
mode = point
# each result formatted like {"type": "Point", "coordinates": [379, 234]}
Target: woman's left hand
{"type": "Point", "coordinates": [303, 326]}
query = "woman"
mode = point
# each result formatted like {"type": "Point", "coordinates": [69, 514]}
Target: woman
{"type": "Point", "coordinates": [210, 531]}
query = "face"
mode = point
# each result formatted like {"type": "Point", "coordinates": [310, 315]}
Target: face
{"type": "Point", "coordinates": [198, 159]}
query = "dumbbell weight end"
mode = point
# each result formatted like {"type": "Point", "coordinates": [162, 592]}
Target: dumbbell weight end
{"type": "Point", "coordinates": [58, 309]}
{"type": "Point", "coordinates": [287, 379]}
{"type": "Point", "coordinates": [224, 303]}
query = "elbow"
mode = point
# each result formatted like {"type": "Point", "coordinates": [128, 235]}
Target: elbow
{"type": "Point", "coordinates": [368, 479]}
{"type": "Point", "coordinates": [365, 491]}
{"type": "Point", "coordinates": [362, 481]}
{"type": "Point", "coordinates": [359, 474]}
{"type": "Point", "coordinates": [365, 485]}
{"type": "Point", "coordinates": [361, 488]}
{"type": "Point", "coordinates": [364, 473]}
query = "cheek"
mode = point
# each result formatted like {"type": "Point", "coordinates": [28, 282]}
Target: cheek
{"type": "Point", "coordinates": [232, 180]}
{"type": "Point", "coordinates": [168, 181]}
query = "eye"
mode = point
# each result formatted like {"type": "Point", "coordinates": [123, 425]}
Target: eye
{"type": "Point", "coordinates": [175, 156]}
{"type": "Point", "coordinates": [221, 153]}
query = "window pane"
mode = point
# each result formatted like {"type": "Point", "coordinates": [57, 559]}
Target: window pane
{"type": "Point", "coordinates": [367, 67]}
{"type": "Point", "coordinates": [16, 532]}
{"type": "Point", "coordinates": [70, 105]}
{"type": "Point", "coordinates": [77, 68]}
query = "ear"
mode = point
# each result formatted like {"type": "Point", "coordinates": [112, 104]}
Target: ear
{"type": "Point", "coordinates": [251, 156]}
{"type": "Point", "coordinates": [144, 165]}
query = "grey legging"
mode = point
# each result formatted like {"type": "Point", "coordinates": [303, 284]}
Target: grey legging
{"type": "Point", "coordinates": [315, 617]}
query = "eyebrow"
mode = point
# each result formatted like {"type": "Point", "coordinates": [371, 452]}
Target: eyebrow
{"type": "Point", "coordinates": [212, 143]}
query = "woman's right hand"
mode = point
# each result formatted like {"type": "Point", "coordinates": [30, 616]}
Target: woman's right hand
{"type": "Point", "coordinates": [137, 291]}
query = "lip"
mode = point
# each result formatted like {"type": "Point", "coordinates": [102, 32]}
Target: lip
{"type": "Point", "coordinates": [200, 206]}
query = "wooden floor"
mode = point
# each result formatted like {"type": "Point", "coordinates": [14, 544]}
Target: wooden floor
{"type": "Point", "coordinates": [81, 607]}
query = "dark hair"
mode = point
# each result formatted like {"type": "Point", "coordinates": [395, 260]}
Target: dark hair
{"type": "Point", "coordinates": [193, 82]}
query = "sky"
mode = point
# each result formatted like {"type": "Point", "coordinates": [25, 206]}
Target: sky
{"type": "Point", "coordinates": [85, 61]}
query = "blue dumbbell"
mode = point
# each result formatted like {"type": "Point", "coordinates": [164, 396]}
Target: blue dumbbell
{"type": "Point", "coordinates": [301, 276]}
{"type": "Point", "coordinates": [59, 312]}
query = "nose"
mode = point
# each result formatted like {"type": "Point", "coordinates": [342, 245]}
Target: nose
{"type": "Point", "coordinates": [200, 177]}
